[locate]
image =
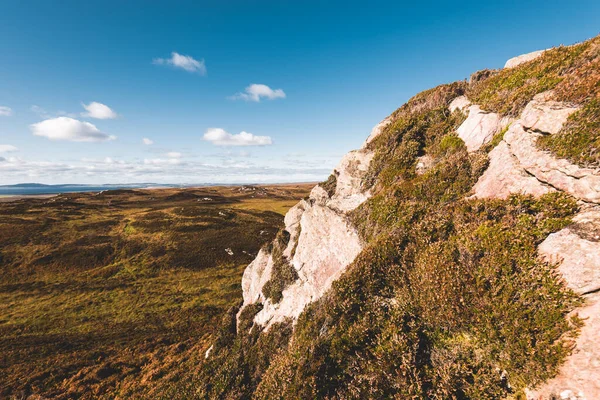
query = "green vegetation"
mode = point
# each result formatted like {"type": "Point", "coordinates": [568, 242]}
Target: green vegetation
{"type": "Point", "coordinates": [495, 140]}
{"type": "Point", "coordinates": [283, 273]}
{"type": "Point", "coordinates": [438, 308]}
{"type": "Point", "coordinates": [330, 184]}
{"type": "Point", "coordinates": [572, 72]}
{"type": "Point", "coordinates": [579, 139]}
{"type": "Point", "coordinates": [448, 300]}
{"type": "Point", "coordinates": [105, 295]}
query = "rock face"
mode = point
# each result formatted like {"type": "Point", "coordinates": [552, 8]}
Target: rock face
{"type": "Point", "coordinates": [479, 128]}
{"type": "Point", "coordinates": [526, 161]}
{"type": "Point", "coordinates": [513, 62]}
{"type": "Point", "coordinates": [505, 176]}
{"type": "Point", "coordinates": [460, 103]}
{"type": "Point", "coordinates": [323, 241]}
{"type": "Point", "coordinates": [578, 377]}
{"type": "Point", "coordinates": [518, 166]}
{"type": "Point", "coordinates": [576, 249]}
{"type": "Point", "coordinates": [350, 172]}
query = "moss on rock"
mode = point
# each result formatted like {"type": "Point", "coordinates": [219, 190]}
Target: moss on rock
{"type": "Point", "coordinates": [579, 139]}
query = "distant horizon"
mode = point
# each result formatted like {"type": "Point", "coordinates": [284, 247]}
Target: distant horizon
{"type": "Point", "coordinates": [216, 183]}
{"type": "Point", "coordinates": [33, 189]}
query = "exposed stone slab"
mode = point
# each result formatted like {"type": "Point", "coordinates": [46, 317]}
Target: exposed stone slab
{"type": "Point", "coordinates": [351, 171]}
{"type": "Point", "coordinates": [544, 115]}
{"type": "Point", "coordinates": [327, 244]}
{"type": "Point", "coordinates": [577, 250]}
{"type": "Point", "coordinates": [582, 183]}
{"type": "Point", "coordinates": [540, 116]}
{"type": "Point", "coordinates": [578, 376]}
{"type": "Point", "coordinates": [460, 103]}
{"type": "Point", "coordinates": [318, 195]}
{"type": "Point", "coordinates": [292, 225]}
{"type": "Point", "coordinates": [513, 62]}
{"type": "Point", "coordinates": [255, 276]}
{"type": "Point", "coordinates": [504, 176]}
{"type": "Point", "coordinates": [323, 241]}
{"type": "Point", "coordinates": [479, 128]}
{"type": "Point", "coordinates": [376, 131]}
{"type": "Point", "coordinates": [424, 164]}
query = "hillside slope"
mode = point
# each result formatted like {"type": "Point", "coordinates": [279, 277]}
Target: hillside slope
{"type": "Point", "coordinates": [455, 255]}
{"type": "Point", "coordinates": [102, 293]}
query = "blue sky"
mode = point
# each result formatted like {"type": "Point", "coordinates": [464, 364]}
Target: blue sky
{"type": "Point", "coordinates": [334, 69]}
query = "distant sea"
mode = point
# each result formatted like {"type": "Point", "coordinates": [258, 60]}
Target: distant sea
{"type": "Point", "coordinates": [23, 189]}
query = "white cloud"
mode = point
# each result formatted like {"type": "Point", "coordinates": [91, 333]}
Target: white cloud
{"type": "Point", "coordinates": [256, 91]}
{"type": "Point", "coordinates": [161, 161]}
{"type": "Point", "coordinates": [65, 128]}
{"type": "Point", "coordinates": [98, 111]}
{"type": "Point", "coordinates": [174, 154]}
{"type": "Point", "coordinates": [5, 111]}
{"type": "Point", "coordinates": [184, 62]}
{"type": "Point", "coordinates": [7, 148]}
{"type": "Point", "coordinates": [147, 141]}
{"type": "Point", "coordinates": [220, 137]}
{"type": "Point", "coordinates": [160, 170]}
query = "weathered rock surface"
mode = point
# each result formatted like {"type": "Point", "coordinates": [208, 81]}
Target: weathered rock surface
{"type": "Point", "coordinates": [326, 245]}
{"type": "Point", "coordinates": [541, 116]}
{"type": "Point", "coordinates": [577, 250]}
{"type": "Point", "coordinates": [460, 103]}
{"type": "Point", "coordinates": [323, 241]}
{"type": "Point", "coordinates": [504, 176]}
{"type": "Point", "coordinates": [255, 276]}
{"type": "Point", "coordinates": [518, 166]}
{"type": "Point", "coordinates": [578, 376]}
{"type": "Point", "coordinates": [424, 164]}
{"type": "Point", "coordinates": [545, 115]}
{"type": "Point", "coordinates": [351, 171]}
{"type": "Point", "coordinates": [377, 129]}
{"type": "Point", "coordinates": [582, 183]}
{"type": "Point", "coordinates": [479, 128]}
{"type": "Point", "coordinates": [513, 62]}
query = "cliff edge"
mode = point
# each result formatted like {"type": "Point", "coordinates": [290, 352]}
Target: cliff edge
{"type": "Point", "coordinates": [456, 254]}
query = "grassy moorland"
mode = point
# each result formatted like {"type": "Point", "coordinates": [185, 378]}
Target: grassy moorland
{"type": "Point", "coordinates": [109, 295]}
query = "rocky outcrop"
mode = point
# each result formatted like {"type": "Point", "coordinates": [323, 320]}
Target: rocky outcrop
{"type": "Point", "coordinates": [376, 131]}
{"type": "Point", "coordinates": [480, 126]}
{"type": "Point", "coordinates": [326, 244]}
{"type": "Point", "coordinates": [576, 250]}
{"type": "Point", "coordinates": [460, 103]}
{"type": "Point", "coordinates": [582, 183]}
{"type": "Point", "coordinates": [518, 166]}
{"type": "Point", "coordinates": [255, 276]}
{"type": "Point", "coordinates": [505, 175]}
{"type": "Point", "coordinates": [540, 117]}
{"type": "Point", "coordinates": [513, 62]}
{"type": "Point", "coordinates": [350, 172]}
{"type": "Point", "coordinates": [323, 241]}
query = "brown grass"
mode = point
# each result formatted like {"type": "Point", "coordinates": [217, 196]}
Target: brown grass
{"type": "Point", "coordinates": [106, 295]}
